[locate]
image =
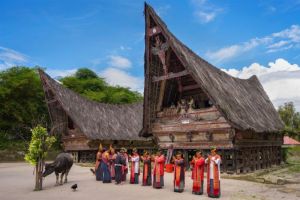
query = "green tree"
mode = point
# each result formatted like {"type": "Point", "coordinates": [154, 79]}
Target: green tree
{"type": "Point", "coordinates": [39, 145]}
{"type": "Point", "coordinates": [120, 95]}
{"type": "Point", "coordinates": [291, 119]}
{"type": "Point", "coordinates": [85, 73]}
{"type": "Point", "coordinates": [21, 101]}
{"type": "Point", "coordinates": [88, 84]}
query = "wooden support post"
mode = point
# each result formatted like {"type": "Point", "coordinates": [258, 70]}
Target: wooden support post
{"type": "Point", "coordinates": [163, 83]}
{"type": "Point", "coordinates": [224, 163]}
{"type": "Point", "coordinates": [161, 95]}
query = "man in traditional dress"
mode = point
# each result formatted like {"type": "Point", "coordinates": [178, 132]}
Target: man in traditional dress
{"type": "Point", "coordinates": [213, 174]}
{"type": "Point", "coordinates": [179, 172]}
{"type": "Point", "coordinates": [198, 173]}
{"type": "Point", "coordinates": [135, 167]}
{"type": "Point", "coordinates": [146, 158]}
{"type": "Point", "coordinates": [158, 171]}
{"type": "Point", "coordinates": [120, 163]}
{"type": "Point", "coordinates": [105, 167]}
{"type": "Point", "coordinates": [98, 171]}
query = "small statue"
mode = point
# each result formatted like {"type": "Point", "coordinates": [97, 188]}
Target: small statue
{"type": "Point", "coordinates": [182, 106]}
{"type": "Point", "coordinates": [191, 105]}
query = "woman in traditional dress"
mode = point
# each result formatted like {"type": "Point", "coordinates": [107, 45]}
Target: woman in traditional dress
{"type": "Point", "coordinates": [179, 172]}
{"type": "Point", "coordinates": [146, 158]}
{"type": "Point", "coordinates": [213, 174]}
{"type": "Point", "coordinates": [112, 158]}
{"type": "Point", "coordinates": [198, 173]}
{"type": "Point", "coordinates": [105, 167]}
{"type": "Point", "coordinates": [158, 171]}
{"type": "Point", "coordinates": [125, 167]}
{"type": "Point", "coordinates": [120, 162]}
{"type": "Point", "coordinates": [135, 167]}
{"type": "Point", "coordinates": [98, 171]}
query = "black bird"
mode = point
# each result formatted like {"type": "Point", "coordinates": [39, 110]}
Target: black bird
{"type": "Point", "coordinates": [93, 171]}
{"type": "Point", "coordinates": [74, 187]}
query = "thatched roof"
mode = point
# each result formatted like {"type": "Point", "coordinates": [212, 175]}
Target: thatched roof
{"type": "Point", "coordinates": [243, 102]}
{"type": "Point", "coordinates": [98, 120]}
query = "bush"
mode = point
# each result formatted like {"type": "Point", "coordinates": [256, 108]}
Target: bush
{"type": "Point", "coordinates": [39, 145]}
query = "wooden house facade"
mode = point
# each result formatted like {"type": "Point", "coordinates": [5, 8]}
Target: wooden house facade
{"type": "Point", "coordinates": [84, 124]}
{"type": "Point", "coordinates": [190, 104]}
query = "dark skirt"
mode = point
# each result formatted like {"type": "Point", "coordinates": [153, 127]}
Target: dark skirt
{"type": "Point", "coordinates": [106, 173]}
{"type": "Point", "coordinates": [198, 191]}
{"type": "Point", "coordinates": [99, 173]}
{"type": "Point", "coordinates": [124, 175]}
{"type": "Point", "coordinates": [147, 177]}
{"type": "Point", "coordinates": [211, 192]}
{"type": "Point", "coordinates": [159, 184]}
{"type": "Point", "coordinates": [118, 174]}
{"type": "Point", "coordinates": [147, 182]}
{"type": "Point", "coordinates": [179, 186]}
{"type": "Point", "coordinates": [135, 179]}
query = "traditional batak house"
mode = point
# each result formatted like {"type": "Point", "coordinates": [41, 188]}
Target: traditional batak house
{"type": "Point", "coordinates": [190, 104]}
{"type": "Point", "coordinates": [84, 124]}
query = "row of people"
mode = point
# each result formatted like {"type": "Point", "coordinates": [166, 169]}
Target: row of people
{"type": "Point", "coordinates": [114, 166]}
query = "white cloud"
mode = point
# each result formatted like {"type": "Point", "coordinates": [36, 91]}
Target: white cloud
{"type": "Point", "coordinates": [280, 79]}
{"type": "Point", "coordinates": [278, 44]}
{"type": "Point", "coordinates": [95, 62]}
{"type": "Point", "coordinates": [279, 41]}
{"type": "Point", "coordinates": [237, 49]}
{"type": "Point", "coordinates": [58, 73]}
{"type": "Point", "coordinates": [205, 17]}
{"type": "Point", "coordinates": [119, 62]}
{"type": "Point", "coordinates": [292, 33]}
{"type": "Point", "coordinates": [119, 77]}
{"type": "Point", "coordinates": [10, 58]}
{"type": "Point", "coordinates": [224, 53]}
{"type": "Point", "coordinates": [125, 48]}
{"type": "Point", "coordinates": [280, 49]}
{"type": "Point", "coordinates": [205, 11]}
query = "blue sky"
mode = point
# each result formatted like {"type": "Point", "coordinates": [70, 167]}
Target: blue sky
{"type": "Point", "coordinates": [242, 37]}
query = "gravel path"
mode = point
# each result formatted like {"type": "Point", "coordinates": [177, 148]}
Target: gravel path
{"type": "Point", "coordinates": [17, 181]}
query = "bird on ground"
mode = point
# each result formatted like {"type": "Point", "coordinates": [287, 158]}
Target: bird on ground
{"type": "Point", "coordinates": [74, 187]}
{"type": "Point", "coordinates": [93, 171]}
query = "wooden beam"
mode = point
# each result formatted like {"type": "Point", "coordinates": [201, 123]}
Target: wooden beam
{"type": "Point", "coordinates": [170, 76]}
{"type": "Point", "coordinates": [190, 87]}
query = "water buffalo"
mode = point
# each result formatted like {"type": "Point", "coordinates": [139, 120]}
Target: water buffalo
{"type": "Point", "coordinates": [62, 164]}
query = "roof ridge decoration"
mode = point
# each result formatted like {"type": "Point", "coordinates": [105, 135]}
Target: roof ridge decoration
{"type": "Point", "coordinates": [243, 102]}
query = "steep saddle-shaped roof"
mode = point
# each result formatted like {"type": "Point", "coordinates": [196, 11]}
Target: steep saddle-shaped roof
{"type": "Point", "coordinates": [98, 120]}
{"type": "Point", "coordinates": [243, 102]}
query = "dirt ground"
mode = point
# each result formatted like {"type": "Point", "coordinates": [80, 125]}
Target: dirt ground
{"type": "Point", "coordinates": [17, 181]}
